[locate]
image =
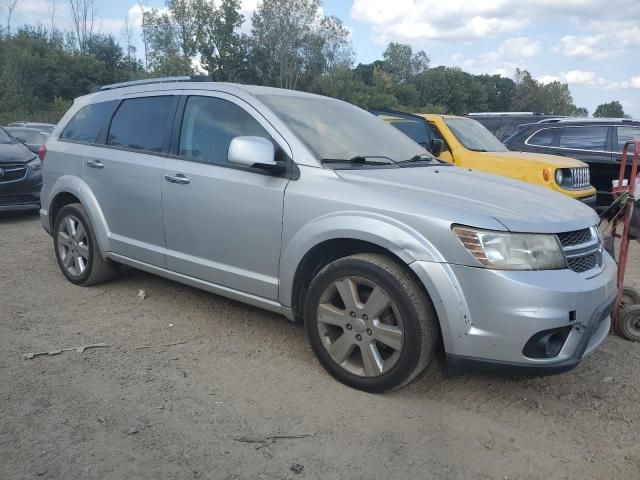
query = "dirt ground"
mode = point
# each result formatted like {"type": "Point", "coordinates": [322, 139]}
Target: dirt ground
{"type": "Point", "coordinates": [151, 406]}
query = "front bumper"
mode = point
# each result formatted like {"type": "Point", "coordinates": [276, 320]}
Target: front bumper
{"type": "Point", "coordinates": [21, 195]}
{"type": "Point", "coordinates": [488, 316]}
{"type": "Point", "coordinates": [590, 201]}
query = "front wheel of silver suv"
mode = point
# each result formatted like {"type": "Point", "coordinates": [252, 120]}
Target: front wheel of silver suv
{"type": "Point", "coordinates": [76, 248]}
{"type": "Point", "coordinates": [370, 323]}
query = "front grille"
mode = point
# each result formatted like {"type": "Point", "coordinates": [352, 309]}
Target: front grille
{"type": "Point", "coordinates": [582, 248]}
{"type": "Point", "coordinates": [582, 264]}
{"type": "Point", "coordinates": [569, 239]}
{"type": "Point", "coordinates": [12, 172]}
{"type": "Point", "coordinates": [580, 177]}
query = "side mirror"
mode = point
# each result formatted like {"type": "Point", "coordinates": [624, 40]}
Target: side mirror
{"type": "Point", "coordinates": [437, 146]}
{"type": "Point", "coordinates": [255, 152]}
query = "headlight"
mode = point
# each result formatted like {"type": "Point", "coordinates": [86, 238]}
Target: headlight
{"type": "Point", "coordinates": [512, 251]}
{"type": "Point", "coordinates": [35, 165]}
{"type": "Point", "coordinates": [559, 177]}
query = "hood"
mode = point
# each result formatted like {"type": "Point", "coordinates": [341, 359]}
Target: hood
{"type": "Point", "coordinates": [541, 158]}
{"type": "Point", "coordinates": [14, 153]}
{"type": "Point", "coordinates": [519, 206]}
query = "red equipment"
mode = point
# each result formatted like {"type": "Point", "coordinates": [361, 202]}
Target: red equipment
{"type": "Point", "coordinates": [626, 315]}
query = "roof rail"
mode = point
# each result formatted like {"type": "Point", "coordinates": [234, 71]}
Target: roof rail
{"type": "Point", "coordinates": [150, 81]}
{"type": "Point", "coordinates": [587, 120]}
{"type": "Point", "coordinates": [502, 114]}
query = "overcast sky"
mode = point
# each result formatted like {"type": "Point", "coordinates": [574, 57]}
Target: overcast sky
{"type": "Point", "coordinates": [591, 44]}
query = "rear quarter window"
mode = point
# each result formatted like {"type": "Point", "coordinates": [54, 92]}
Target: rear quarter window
{"type": "Point", "coordinates": [89, 122]}
{"type": "Point", "coordinates": [584, 138]}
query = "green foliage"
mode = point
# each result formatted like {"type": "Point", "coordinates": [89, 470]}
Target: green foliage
{"type": "Point", "coordinates": [610, 110]}
{"type": "Point", "coordinates": [291, 45]}
{"type": "Point", "coordinates": [40, 74]}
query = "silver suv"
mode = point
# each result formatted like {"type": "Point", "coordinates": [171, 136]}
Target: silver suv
{"type": "Point", "coordinates": [316, 209]}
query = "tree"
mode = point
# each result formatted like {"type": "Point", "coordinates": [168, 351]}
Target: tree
{"type": "Point", "coordinates": [499, 90]}
{"type": "Point", "coordinates": [11, 5]}
{"type": "Point", "coordinates": [222, 48]}
{"type": "Point", "coordinates": [558, 99]}
{"type": "Point", "coordinates": [142, 6]}
{"type": "Point", "coordinates": [172, 37]}
{"type": "Point", "coordinates": [610, 110]}
{"type": "Point", "coordinates": [400, 61]}
{"type": "Point", "coordinates": [580, 112]}
{"type": "Point", "coordinates": [83, 16]}
{"type": "Point", "coordinates": [337, 48]}
{"type": "Point", "coordinates": [286, 46]}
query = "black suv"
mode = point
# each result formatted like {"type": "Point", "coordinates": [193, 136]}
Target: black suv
{"type": "Point", "coordinates": [505, 124]}
{"type": "Point", "coordinates": [595, 141]}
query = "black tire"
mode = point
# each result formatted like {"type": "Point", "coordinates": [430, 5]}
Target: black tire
{"type": "Point", "coordinates": [419, 319]}
{"type": "Point", "coordinates": [97, 270]}
{"type": "Point", "coordinates": [628, 323]}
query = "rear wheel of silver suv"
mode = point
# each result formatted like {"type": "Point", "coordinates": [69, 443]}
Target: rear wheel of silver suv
{"type": "Point", "coordinates": [370, 323]}
{"type": "Point", "coordinates": [77, 249]}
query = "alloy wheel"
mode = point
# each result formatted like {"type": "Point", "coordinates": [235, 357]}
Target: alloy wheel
{"type": "Point", "coordinates": [73, 246]}
{"type": "Point", "coordinates": [360, 326]}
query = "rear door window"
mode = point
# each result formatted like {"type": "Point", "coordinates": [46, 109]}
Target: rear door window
{"type": "Point", "coordinates": [584, 138]}
{"type": "Point", "coordinates": [627, 133]}
{"type": "Point", "coordinates": [543, 138]}
{"type": "Point", "coordinates": [89, 123]}
{"type": "Point", "coordinates": [142, 124]}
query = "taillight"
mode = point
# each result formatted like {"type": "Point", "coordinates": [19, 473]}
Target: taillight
{"type": "Point", "coordinates": [42, 151]}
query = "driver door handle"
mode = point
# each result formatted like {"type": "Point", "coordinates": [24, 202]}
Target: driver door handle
{"type": "Point", "coordinates": [95, 164]}
{"type": "Point", "coordinates": [177, 178]}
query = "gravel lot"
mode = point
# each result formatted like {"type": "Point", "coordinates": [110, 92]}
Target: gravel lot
{"type": "Point", "coordinates": [148, 406]}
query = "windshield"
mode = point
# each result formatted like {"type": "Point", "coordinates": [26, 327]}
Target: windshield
{"type": "Point", "coordinates": [4, 137]}
{"type": "Point", "coordinates": [473, 135]}
{"type": "Point", "coordinates": [336, 130]}
{"type": "Point", "coordinates": [29, 135]}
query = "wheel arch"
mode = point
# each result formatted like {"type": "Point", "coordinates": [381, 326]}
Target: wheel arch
{"type": "Point", "coordinates": [69, 189]}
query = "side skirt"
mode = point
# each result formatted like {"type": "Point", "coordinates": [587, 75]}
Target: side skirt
{"type": "Point", "coordinates": [243, 297]}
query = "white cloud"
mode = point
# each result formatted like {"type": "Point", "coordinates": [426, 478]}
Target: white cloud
{"type": "Point", "coordinates": [632, 83]}
{"type": "Point", "coordinates": [404, 20]}
{"type": "Point", "coordinates": [574, 77]}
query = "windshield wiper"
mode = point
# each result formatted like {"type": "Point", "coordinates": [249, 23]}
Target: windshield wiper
{"type": "Point", "coordinates": [361, 159]}
{"type": "Point", "coordinates": [422, 157]}
{"type": "Point", "coordinates": [478, 150]}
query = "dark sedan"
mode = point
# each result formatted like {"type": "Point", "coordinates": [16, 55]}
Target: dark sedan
{"type": "Point", "coordinates": [20, 175]}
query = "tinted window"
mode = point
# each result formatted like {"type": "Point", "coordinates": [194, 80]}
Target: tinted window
{"type": "Point", "coordinates": [584, 138]}
{"type": "Point", "coordinates": [141, 123]}
{"type": "Point", "coordinates": [543, 138]}
{"type": "Point", "coordinates": [415, 129]}
{"type": "Point", "coordinates": [89, 122]}
{"type": "Point", "coordinates": [208, 126]}
{"type": "Point", "coordinates": [625, 134]}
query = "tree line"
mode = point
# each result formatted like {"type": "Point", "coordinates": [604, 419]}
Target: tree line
{"type": "Point", "coordinates": [290, 44]}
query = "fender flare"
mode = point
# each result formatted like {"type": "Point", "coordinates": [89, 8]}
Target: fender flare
{"type": "Point", "coordinates": [79, 188]}
{"type": "Point", "coordinates": [401, 240]}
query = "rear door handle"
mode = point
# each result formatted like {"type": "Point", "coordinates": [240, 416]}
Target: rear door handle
{"type": "Point", "coordinates": [177, 178]}
{"type": "Point", "coordinates": [95, 164]}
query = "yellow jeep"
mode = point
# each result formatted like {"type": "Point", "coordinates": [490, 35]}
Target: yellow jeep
{"type": "Point", "coordinates": [466, 143]}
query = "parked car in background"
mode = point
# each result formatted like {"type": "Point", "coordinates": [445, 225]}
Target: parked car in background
{"type": "Point", "coordinates": [33, 138]}
{"type": "Point", "coordinates": [466, 143]}
{"type": "Point", "coordinates": [314, 208]}
{"type": "Point", "coordinates": [596, 141]}
{"type": "Point", "coordinates": [45, 127]}
{"type": "Point", "coordinates": [505, 124]}
{"type": "Point", "coordinates": [20, 175]}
